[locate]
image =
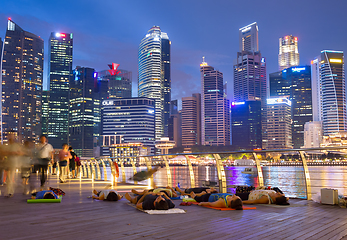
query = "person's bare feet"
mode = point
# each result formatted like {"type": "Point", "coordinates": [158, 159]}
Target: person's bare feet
{"type": "Point", "coordinates": [192, 194]}
{"type": "Point", "coordinates": [128, 197]}
{"type": "Point", "coordinates": [120, 197]}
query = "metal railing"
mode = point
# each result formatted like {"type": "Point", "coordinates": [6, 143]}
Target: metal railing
{"type": "Point", "coordinates": [97, 168]}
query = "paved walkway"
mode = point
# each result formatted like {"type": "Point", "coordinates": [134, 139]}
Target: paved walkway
{"type": "Point", "coordinates": [78, 217]}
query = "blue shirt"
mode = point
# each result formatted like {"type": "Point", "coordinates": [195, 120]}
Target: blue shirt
{"type": "Point", "coordinates": [39, 195]}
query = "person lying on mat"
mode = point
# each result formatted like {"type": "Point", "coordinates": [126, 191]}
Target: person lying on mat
{"type": "Point", "coordinates": [171, 193]}
{"type": "Point", "coordinates": [44, 195]}
{"type": "Point", "coordinates": [266, 197]}
{"type": "Point", "coordinates": [151, 201]}
{"type": "Point", "coordinates": [187, 191]}
{"type": "Point", "coordinates": [107, 195]}
{"type": "Point", "coordinates": [218, 200]}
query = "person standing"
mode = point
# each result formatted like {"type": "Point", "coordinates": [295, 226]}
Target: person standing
{"type": "Point", "coordinates": [72, 164]}
{"type": "Point", "coordinates": [44, 156]}
{"type": "Point", "coordinates": [64, 157]}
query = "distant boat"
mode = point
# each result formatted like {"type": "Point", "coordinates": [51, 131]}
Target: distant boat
{"type": "Point", "coordinates": [244, 162]}
{"type": "Point", "coordinates": [249, 171]}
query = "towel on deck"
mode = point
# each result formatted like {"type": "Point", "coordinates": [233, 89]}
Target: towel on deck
{"type": "Point", "coordinates": [169, 211]}
{"type": "Point", "coordinates": [224, 209]}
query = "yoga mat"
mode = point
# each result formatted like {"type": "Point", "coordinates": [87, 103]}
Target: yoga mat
{"type": "Point", "coordinates": [169, 211]}
{"type": "Point", "coordinates": [44, 200]}
{"type": "Point", "coordinates": [224, 209]}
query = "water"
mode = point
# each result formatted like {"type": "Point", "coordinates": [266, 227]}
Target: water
{"type": "Point", "coordinates": [290, 179]}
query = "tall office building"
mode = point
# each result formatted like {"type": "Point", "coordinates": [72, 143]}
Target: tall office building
{"type": "Point", "coordinates": [119, 81]}
{"type": "Point", "coordinates": [288, 52]}
{"type": "Point", "coordinates": [60, 73]}
{"type": "Point", "coordinates": [215, 109]}
{"type": "Point", "coordinates": [279, 119]}
{"type": "Point", "coordinates": [313, 134]}
{"type": "Point", "coordinates": [248, 38]}
{"type": "Point", "coordinates": [175, 128]}
{"type": "Point", "coordinates": [131, 119]}
{"type": "Point", "coordinates": [246, 124]}
{"type": "Point", "coordinates": [295, 83]}
{"type": "Point", "coordinates": [191, 120]}
{"type": "Point", "coordinates": [154, 76]}
{"type": "Point", "coordinates": [81, 111]}
{"type": "Point", "coordinates": [250, 82]}
{"type": "Point", "coordinates": [329, 85]}
{"type": "Point", "coordinates": [45, 112]}
{"type": "Point", "coordinates": [22, 69]}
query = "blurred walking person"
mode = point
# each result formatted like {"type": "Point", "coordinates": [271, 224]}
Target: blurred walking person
{"type": "Point", "coordinates": [13, 151]}
{"type": "Point", "coordinates": [64, 157]}
{"type": "Point", "coordinates": [44, 156]}
{"type": "Point", "coordinates": [26, 164]}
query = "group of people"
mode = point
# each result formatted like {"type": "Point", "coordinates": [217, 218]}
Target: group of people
{"type": "Point", "coordinates": [30, 158]}
{"type": "Point", "coordinates": [160, 198]}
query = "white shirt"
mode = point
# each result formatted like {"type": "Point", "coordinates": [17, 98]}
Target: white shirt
{"type": "Point", "coordinates": [44, 150]}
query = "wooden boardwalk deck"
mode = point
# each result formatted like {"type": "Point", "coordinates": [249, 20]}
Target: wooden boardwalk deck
{"type": "Point", "coordinates": [78, 217]}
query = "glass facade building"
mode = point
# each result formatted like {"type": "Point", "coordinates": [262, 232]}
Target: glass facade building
{"type": "Point", "coordinates": [60, 73]}
{"type": "Point", "coordinates": [22, 79]}
{"type": "Point", "coordinates": [333, 92]}
{"type": "Point", "coordinates": [45, 112]}
{"type": "Point", "coordinates": [246, 124]}
{"type": "Point", "coordinates": [81, 111]}
{"type": "Point", "coordinates": [288, 52]}
{"type": "Point", "coordinates": [279, 129]}
{"type": "Point", "coordinates": [119, 85]}
{"type": "Point", "coordinates": [154, 79]}
{"type": "Point", "coordinates": [131, 119]}
{"type": "Point", "coordinates": [215, 109]}
{"type": "Point", "coordinates": [295, 83]}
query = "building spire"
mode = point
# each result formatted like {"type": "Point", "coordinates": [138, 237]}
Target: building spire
{"type": "Point", "coordinates": [203, 62]}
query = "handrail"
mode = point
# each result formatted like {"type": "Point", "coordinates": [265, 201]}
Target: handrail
{"type": "Point", "coordinates": [219, 164]}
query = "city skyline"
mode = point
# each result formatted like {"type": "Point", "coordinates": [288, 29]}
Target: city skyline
{"type": "Point", "coordinates": [192, 35]}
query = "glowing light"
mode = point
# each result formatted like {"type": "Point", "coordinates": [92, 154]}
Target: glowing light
{"type": "Point", "coordinates": [278, 101]}
{"type": "Point", "coordinates": [298, 69]}
{"type": "Point", "coordinates": [237, 103]}
{"type": "Point", "coordinates": [60, 35]}
{"type": "Point", "coordinates": [113, 69]}
{"type": "Point", "coordinates": [203, 64]}
{"type": "Point", "coordinates": [9, 18]}
{"type": "Point", "coordinates": [334, 60]}
{"type": "Point", "coordinates": [296, 39]}
{"type": "Point", "coordinates": [150, 111]}
{"type": "Point", "coordinates": [95, 74]}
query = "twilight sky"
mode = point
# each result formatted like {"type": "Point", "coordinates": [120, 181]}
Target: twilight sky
{"type": "Point", "coordinates": [108, 31]}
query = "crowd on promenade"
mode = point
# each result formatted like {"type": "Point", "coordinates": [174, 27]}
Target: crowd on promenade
{"type": "Point", "coordinates": [31, 158]}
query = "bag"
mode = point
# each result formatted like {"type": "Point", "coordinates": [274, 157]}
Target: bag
{"type": "Point", "coordinates": [77, 160]}
{"type": "Point", "coordinates": [63, 163]}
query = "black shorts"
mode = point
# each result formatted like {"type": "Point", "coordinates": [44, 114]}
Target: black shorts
{"type": "Point", "coordinates": [203, 198]}
{"type": "Point", "coordinates": [72, 165]}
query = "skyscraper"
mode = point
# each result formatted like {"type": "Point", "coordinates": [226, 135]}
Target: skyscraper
{"type": "Point", "coordinates": [81, 111]}
{"type": "Point", "coordinates": [191, 120]}
{"type": "Point", "coordinates": [154, 76]}
{"type": "Point", "coordinates": [295, 83]}
{"type": "Point", "coordinates": [329, 68]}
{"type": "Point", "coordinates": [288, 52]}
{"type": "Point", "coordinates": [60, 73]}
{"type": "Point", "coordinates": [119, 81]}
{"type": "Point", "coordinates": [45, 112]}
{"type": "Point", "coordinates": [131, 119]}
{"type": "Point", "coordinates": [246, 124]}
{"type": "Point", "coordinates": [248, 38]}
{"type": "Point", "coordinates": [250, 82]}
{"type": "Point", "coordinates": [279, 130]}
{"type": "Point", "coordinates": [22, 69]}
{"type": "Point", "coordinates": [215, 117]}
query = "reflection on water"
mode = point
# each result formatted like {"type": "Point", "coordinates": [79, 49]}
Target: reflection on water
{"type": "Point", "coordinates": [288, 178]}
